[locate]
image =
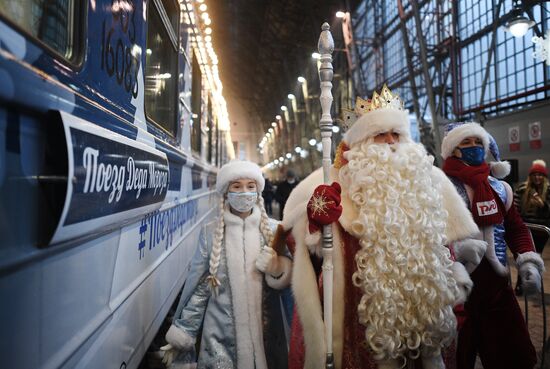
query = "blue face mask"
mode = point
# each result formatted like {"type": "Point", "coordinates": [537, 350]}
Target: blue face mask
{"type": "Point", "coordinates": [474, 155]}
{"type": "Point", "coordinates": [242, 201]}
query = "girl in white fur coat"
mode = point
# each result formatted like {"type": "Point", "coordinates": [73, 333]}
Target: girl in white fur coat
{"type": "Point", "coordinates": [232, 288]}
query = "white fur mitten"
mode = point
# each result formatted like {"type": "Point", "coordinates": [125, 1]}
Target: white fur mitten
{"type": "Point", "coordinates": [530, 267]}
{"type": "Point", "coordinates": [268, 262]}
{"type": "Point", "coordinates": [530, 278]}
{"type": "Point", "coordinates": [463, 282]}
{"type": "Point", "coordinates": [179, 339]}
{"type": "Point", "coordinates": [469, 252]}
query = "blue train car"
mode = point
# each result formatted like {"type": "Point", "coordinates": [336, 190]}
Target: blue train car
{"type": "Point", "coordinates": [110, 135]}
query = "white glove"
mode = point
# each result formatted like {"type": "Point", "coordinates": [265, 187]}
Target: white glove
{"type": "Point", "coordinates": [469, 252]}
{"type": "Point", "coordinates": [179, 339]}
{"type": "Point", "coordinates": [530, 278]}
{"type": "Point", "coordinates": [463, 282]}
{"type": "Point", "coordinates": [169, 354]}
{"type": "Point", "coordinates": [268, 262]}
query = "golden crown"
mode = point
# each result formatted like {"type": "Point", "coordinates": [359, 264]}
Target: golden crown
{"type": "Point", "coordinates": [386, 99]}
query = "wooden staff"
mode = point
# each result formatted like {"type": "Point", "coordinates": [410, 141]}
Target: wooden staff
{"type": "Point", "coordinates": [326, 47]}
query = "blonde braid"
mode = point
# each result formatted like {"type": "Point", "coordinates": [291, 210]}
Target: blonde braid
{"type": "Point", "coordinates": [216, 250]}
{"type": "Point", "coordinates": [264, 222]}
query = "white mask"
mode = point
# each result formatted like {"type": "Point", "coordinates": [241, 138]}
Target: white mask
{"type": "Point", "coordinates": [242, 201]}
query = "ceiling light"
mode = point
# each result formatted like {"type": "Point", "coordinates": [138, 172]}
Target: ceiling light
{"type": "Point", "coordinates": [313, 142]}
{"type": "Point", "coordinates": [278, 117]}
{"type": "Point", "coordinates": [283, 108]}
{"type": "Point", "coordinates": [340, 14]}
{"type": "Point", "coordinates": [301, 79]}
{"type": "Point", "coordinates": [270, 130]}
{"type": "Point", "coordinates": [335, 129]}
{"type": "Point", "coordinates": [297, 149]}
{"type": "Point", "coordinates": [208, 31]}
{"type": "Point", "coordinates": [291, 96]}
{"type": "Point", "coordinates": [289, 155]}
{"type": "Point", "coordinates": [518, 25]}
{"type": "Point", "coordinates": [203, 7]}
{"type": "Point", "coordinates": [316, 55]}
{"type": "Point", "coordinates": [273, 124]}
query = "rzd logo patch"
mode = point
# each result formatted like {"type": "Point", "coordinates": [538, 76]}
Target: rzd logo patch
{"type": "Point", "coordinates": [487, 208]}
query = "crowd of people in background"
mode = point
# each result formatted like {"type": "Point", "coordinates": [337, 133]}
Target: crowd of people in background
{"type": "Point", "coordinates": [279, 192]}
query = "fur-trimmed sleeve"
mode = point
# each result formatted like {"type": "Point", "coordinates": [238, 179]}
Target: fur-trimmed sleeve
{"type": "Point", "coordinates": [460, 223]}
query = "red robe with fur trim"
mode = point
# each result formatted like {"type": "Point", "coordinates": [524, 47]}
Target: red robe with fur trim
{"type": "Point", "coordinates": [349, 346]}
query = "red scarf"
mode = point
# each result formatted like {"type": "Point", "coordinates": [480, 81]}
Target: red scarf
{"type": "Point", "coordinates": [487, 208]}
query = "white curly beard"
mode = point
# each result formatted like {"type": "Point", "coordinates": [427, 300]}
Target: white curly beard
{"type": "Point", "coordinates": [403, 267]}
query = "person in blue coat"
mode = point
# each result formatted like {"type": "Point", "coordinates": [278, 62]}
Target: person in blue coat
{"type": "Point", "coordinates": [233, 291]}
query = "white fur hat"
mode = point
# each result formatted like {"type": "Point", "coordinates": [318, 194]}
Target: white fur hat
{"type": "Point", "coordinates": [456, 132]}
{"type": "Point", "coordinates": [238, 169]}
{"type": "Point", "coordinates": [379, 121]}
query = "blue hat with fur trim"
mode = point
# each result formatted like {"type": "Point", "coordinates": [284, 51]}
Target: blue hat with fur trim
{"type": "Point", "coordinates": [456, 132]}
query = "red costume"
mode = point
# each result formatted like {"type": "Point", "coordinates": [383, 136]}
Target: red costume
{"type": "Point", "coordinates": [494, 327]}
{"type": "Point", "coordinates": [394, 284]}
{"type": "Point", "coordinates": [349, 334]}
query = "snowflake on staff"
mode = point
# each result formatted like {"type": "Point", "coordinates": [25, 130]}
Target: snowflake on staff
{"type": "Point", "coordinates": [318, 204]}
{"type": "Point", "coordinates": [542, 48]}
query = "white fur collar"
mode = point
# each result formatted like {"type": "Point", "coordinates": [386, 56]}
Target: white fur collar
{"type": "Point", "coordinates": [459, 223]}
{"type": "Point", "coordinates": [242, 242]}
{"type": "Point", "coordinates": [231, 219]}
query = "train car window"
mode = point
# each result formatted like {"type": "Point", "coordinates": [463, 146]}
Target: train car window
{"type": "Point", "coordinates": [196, 102]}
{"type": "Point", "coordinates": [53, 23]}
{"type": "Point", "coordinates": [161, 64]}
{"type": "Point", "coordinates": [217, 144]}
{"type": "Point", "coordinates": [209, 128]}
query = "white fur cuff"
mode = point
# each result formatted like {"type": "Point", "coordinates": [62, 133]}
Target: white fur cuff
{"type": "Point", "coordinates": [463, 281]}
{"type": "Point", "coordinates": [531, 257]}
{"type": "Point", "coordinates": [470, 251]}
{"type": "Point", "coordinates": [180, 339]}
{"type": "Point", "coordinates": [283, 280]}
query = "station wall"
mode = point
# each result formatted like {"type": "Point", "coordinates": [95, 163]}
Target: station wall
{"type": "Point", "coordinates": [500, 129]}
